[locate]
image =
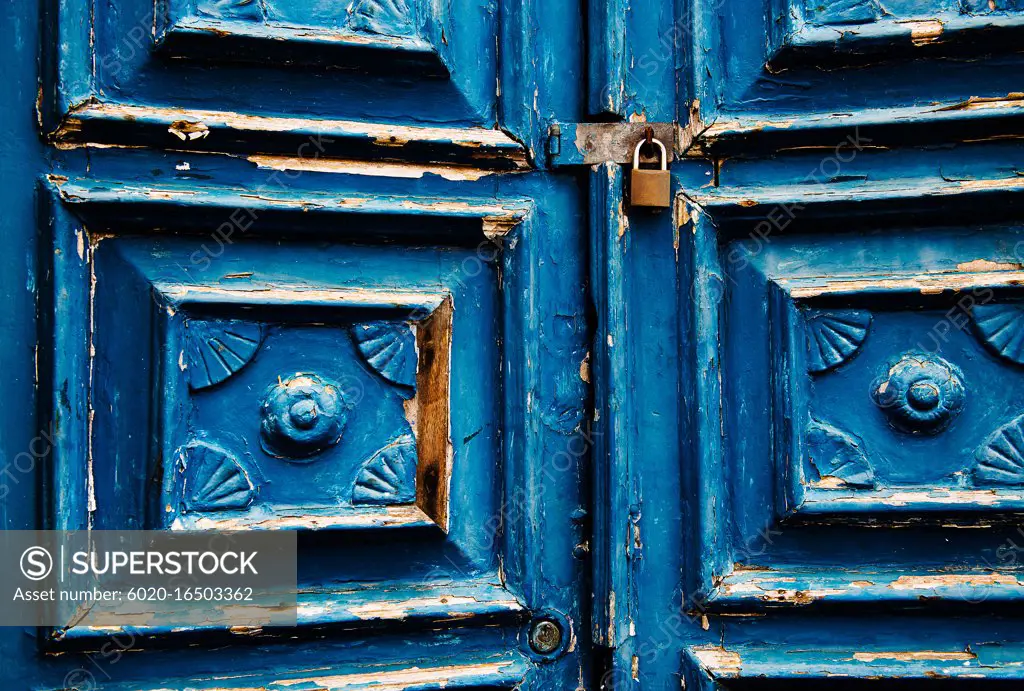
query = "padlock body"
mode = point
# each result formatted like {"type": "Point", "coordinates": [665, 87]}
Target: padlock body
{"type": "Point", "coordinates": [650, 188]}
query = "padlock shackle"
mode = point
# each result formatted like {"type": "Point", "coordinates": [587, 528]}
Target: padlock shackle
{"type": "Point", "coordinates": [664, 154]}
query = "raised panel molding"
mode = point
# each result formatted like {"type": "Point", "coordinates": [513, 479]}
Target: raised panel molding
{"type": "Point", "coordinates": [303, 421]}
{"type": "Point", "coordinates": [750, 665]}
{"type": "Point", "coordinates": [857, 27]}
{"type": "Point", "coordinates": [810, 74]}
{"type": "Point", "coordinates": [264, 77]}
{"type": "Point", "coordinates": [969, 119]}
{"type": "Point", "coordinates": [496, 672]}
{"type": "Point", "coordinates": [918, 393]}
{"type": "Point", "coordinates": [301, 142]}
{"type": "Point", "coordinates": [369, 35]}
{"type": "Point", "coordinates": [852, 427]}
{"type": "Point", "coordinates": [244, 425]}
{"type": "Point", "coordinates": [391, 18]}
{"type": "Point", "coordinates": [757, 589]}
{"type": "Point", "coordinates": [359, 605]}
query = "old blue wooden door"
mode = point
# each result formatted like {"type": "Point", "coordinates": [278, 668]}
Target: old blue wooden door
{"type": "Point", "coordinates": [809, 371]}
{"type": "Point", "coordinates": [274, 266]}
{"type": "Point", "coordinates": [368, 272]}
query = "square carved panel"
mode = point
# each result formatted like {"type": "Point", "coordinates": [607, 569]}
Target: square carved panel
{"type": "Point", "coordinates": [297, 402]}
{"type": "Point", "coordinates": [284, 78]}
{"type": "Point", "coordinates": [335, 437]}
{"type": "Point", "coordinates": [784, 73]}
{"type": "Point", "coordinates": [368, 392]}
{"type": "Point", "coordinates": [852, 384]}
{"type": "Point", "coordinates": [900, 393]}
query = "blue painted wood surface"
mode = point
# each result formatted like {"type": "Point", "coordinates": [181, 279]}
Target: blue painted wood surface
{"type": "Point", "coordinates": [289, 265]}
{"type": "Point", "coordinates": [360, 351]}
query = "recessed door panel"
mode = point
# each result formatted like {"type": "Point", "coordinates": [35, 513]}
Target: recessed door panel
{"type": "Point", "coordinates": [403, 79]}
{"type": "Point", "coordinates": [770, 74]}
{"type": "Point", "coordinates": [369, 387]}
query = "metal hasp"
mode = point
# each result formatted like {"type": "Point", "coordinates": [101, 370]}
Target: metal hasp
{"type": "Point", "coordinates": [591, 143]}
{"type": "Point", "coordinates": [650, 188]}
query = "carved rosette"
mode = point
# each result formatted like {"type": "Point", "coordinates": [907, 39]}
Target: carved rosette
{"type": "Point", "coordinates": [921, 394]}
{"type": "Point", "coordinates": [302, 416]}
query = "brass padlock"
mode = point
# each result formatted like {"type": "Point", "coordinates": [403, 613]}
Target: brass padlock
{"type": "Point", "coordinates": [650, 188]}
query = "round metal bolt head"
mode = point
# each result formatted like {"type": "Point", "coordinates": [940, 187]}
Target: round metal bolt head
{"type": "Point", "coordinates": [545, 636]}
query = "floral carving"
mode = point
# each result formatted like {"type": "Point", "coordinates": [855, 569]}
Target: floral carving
{"type": "Point", "coordinates": [383, 17]}
{"type": "Point", "coordinates": [214, 350]}
{"type": "Point", "coordinates": [834, 336]}
{"type": "Point", "coordinates": [380, 17]}
{"type": "Point", "coordinates": [390, 349]}
{"type": "Point", "coordinates": [1001, 328]}
{"type": "Point", "coordinates": [838, 454]}
{"type": "Point", "coordinates": [842, 12]}
{"type": "Point", "coordinates": [389, 476]}
{"type": "Point", "coordinates": [301, 416]}
{"type": "Point", "coordinates": [214, 480]}
{"type": "Point", "coordinates": [247, 10]}
{"type": "Point", "coordinates": [920, 393]}
{"type": "Point", "coordinates": [1000, 458]}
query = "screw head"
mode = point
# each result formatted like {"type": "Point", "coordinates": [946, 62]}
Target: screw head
{"type": "Point", "coordinates": [545, 636]}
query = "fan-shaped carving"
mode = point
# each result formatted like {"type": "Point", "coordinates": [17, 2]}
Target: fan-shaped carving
{"type": "Point", "coordinates": [845, 12]}
{"type": "Point", "coordinates": [214, 480]}
{"type": "Point", "coordinates": [1000, 459]}
{"type": "Point", "coordinates": [838, 454]}
{"type": "Point", "coordinates": [248, 10]}
{"type": "Point", "coordinates": [1001, 328]}
{"type": "Point", "coordinates": [390, 349]}
{"type": "Point", "coordinates": [384, 17]}
{"type": "Point", "coordinates": [217, 349]}
{"type": "Point", "coordinates": [834, 336]}
{"type": "Point", "coordinates": [389, 477]}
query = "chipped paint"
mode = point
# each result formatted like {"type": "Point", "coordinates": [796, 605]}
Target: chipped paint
{"type": "Point", "coordinates": [984, 265]}
{"type": "Point", "coordinates": [123, 125]}
{"type": "Point", "coordinates": [924, 32]}
{"type": "Point", "coordinates": [401, 609]}
{"type": "Point", "coordinates": [768, 591]}
{"type": "Point", "coordinates": [377, 517]}
{"type": "Point", "coordinates": [954, 580]}
{"type": "Point", "coordinates": [931, 283]}
{"type": "Point", "coordinates": [473, 138]}
{"type": "Point", "coordinates": [966, 498]}
{"type": "Point", "coordinates": [915, 656]}
{"type": "Point", "coordinates": [189, 130]}
{"type": "Point", "coordinates": [379, 680]}
{"type": "Point", "coordinates": [372, 169]}
{"type": "Point", "coordinates": [269, 294]}
{"type": "Point", "coordinates": [718, 661]}
{"type": "Point", "coordinates": [821, 130]}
